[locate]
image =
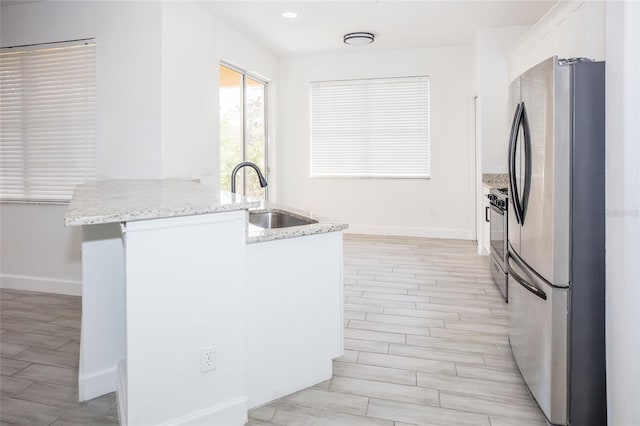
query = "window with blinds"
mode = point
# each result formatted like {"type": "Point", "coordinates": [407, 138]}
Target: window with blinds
{"type": "Point", "coordinates": [376, 128]}
{"type": "Point", "coordinates": [47, 120]}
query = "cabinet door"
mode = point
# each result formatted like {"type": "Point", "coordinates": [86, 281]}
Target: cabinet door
{"type": "Point", "coordinates": [571, 29]}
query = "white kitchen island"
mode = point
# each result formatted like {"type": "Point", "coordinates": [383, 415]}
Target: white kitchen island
{"type": "Point", "coordinates": [174, 280]}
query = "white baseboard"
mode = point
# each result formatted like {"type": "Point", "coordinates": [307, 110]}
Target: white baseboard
{"type": "Point", "coordinates": [232, 412]}
{"type": "Point", "coordinates": [406, 231]}
{"type": "Point", "coordinates": [96, 384]}
{"type": "Point", "coordinates": [45, 285]}
{"type": "Point", "coordinates": [482, 251]}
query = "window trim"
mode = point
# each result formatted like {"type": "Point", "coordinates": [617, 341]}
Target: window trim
{"type": "Point", "coordinates": [257, 77]}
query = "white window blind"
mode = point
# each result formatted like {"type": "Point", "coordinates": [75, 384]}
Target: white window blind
{"type": "Point", "coordinates": [47, 120]}
{"type": "Point", "coordinates": [370, 128]}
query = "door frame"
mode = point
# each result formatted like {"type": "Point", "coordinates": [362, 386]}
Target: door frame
{"type": "Point", "coordinates": [245, 73]}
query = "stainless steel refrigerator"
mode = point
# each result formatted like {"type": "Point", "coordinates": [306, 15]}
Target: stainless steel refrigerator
{"type": "Point", "coordinates": [556, 260]}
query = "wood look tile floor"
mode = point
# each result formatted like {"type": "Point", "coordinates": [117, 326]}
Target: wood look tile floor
{"type": "Point", "coordinates": [425, 344]}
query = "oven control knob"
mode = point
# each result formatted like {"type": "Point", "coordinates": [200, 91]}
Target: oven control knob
{"type": "Point", "coordinates": [501, 204]}
{"type": "Point", "coordinates": [492, 197]}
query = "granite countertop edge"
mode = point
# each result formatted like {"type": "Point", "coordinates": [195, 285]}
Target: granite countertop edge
{"type": "Point", "coordinates": [495, 180]}
{"type": "Point", "coordinates": [127, 200]}
{"type": "Point", "coordinates": [119, 201]}
{"type": "Point", "coordinates": [155, 214]}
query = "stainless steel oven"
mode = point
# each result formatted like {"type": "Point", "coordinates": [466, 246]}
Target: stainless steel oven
{"type": "Point", "coordinates": [498, 238]}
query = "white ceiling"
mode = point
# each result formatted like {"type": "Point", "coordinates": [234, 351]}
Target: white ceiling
{"type": "Point", "coordinates": [320, 25]}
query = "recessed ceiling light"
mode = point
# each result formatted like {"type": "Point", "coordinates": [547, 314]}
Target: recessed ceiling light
{"type": "Point", "coordinates": [290, 15]}
{"type": "Point", "coordinates": [358, 38]}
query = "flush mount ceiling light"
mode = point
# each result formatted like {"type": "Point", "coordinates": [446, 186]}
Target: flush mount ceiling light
{"type": "Point", "coordinates": [289, 15]}
{"type": "Point", "coordinates": [358, 39]}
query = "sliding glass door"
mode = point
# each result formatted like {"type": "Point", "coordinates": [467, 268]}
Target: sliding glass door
{"type": "Point", "coordinates": [243, 129]}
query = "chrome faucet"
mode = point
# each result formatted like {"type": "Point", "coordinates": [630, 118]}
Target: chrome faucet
{"type": "Point", "coordinates": [263, 181]}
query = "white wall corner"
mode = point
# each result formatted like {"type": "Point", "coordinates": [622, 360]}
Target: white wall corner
{"type": "Point", "coordinates": [623, 212]}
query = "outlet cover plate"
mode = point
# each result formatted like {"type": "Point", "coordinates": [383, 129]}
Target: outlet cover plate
{"type": "Point", "coordinates": [208, 358]}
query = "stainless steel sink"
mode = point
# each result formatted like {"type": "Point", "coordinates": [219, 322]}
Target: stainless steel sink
{"type": "Point", "coordinates": [272, 219]}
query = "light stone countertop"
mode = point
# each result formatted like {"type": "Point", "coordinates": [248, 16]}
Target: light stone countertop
{"type": "Point", "coordinates": [255, 234]}
{"type": "Point", "coordinates": [127, 200]}
{"type": "Point", "coordinates": [495, 180]}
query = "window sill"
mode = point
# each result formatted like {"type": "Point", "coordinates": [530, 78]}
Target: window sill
{"type": "Point", "coordinates": [46, 202]}
{"type": "Point", "coordinates": [374, 177]}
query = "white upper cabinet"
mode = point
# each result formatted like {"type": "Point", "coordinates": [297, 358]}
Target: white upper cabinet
{"type": "Point", "coordinates": [570, 29]}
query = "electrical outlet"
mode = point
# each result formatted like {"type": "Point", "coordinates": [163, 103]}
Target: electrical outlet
{"type": "Point", "coordinates": [208, 358]}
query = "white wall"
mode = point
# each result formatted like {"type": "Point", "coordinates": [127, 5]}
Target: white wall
{"type": "Point", "coordinates": [36, 248]}
{"type": "Point", "coordinates": [193, 43]}
{"type": "Point", "coordinates": [156, 110]}
{"type": "Point", "coordinates": [189, 98]}
{"type": "Point", "coordinates": [493, 118]}
{"type": "Point", "coordinates": [37, 251]}
{"type": "Point", "coordinates": [491, 50]}
{"type": "Point", "coordinates": [623, 213]}
{"type": "Point", "coordinates": [128, 96]}
{"type": "Point", "coordinates": [439, 207]}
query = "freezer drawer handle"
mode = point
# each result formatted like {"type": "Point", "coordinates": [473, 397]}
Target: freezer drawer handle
{"type": "Point", "coordinates": [532, 288]}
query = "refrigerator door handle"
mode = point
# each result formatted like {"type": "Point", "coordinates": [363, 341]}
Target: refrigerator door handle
{"type": "Point", "coordinates": [524, 283]}
{"type": "Point", "coordinates": [527, 163]}
{"type": "Point", "coordinates": [513, 192]}
{"type": "Point", "coordinates": [511, 159]}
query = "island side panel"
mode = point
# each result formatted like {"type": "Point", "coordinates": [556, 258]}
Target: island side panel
{"type": "Point", "coordinates": [186, 290]}
{"type": "Point", "coordinates": [295, 314]}
{"type": "Point", "coordinates": [102, 341]}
